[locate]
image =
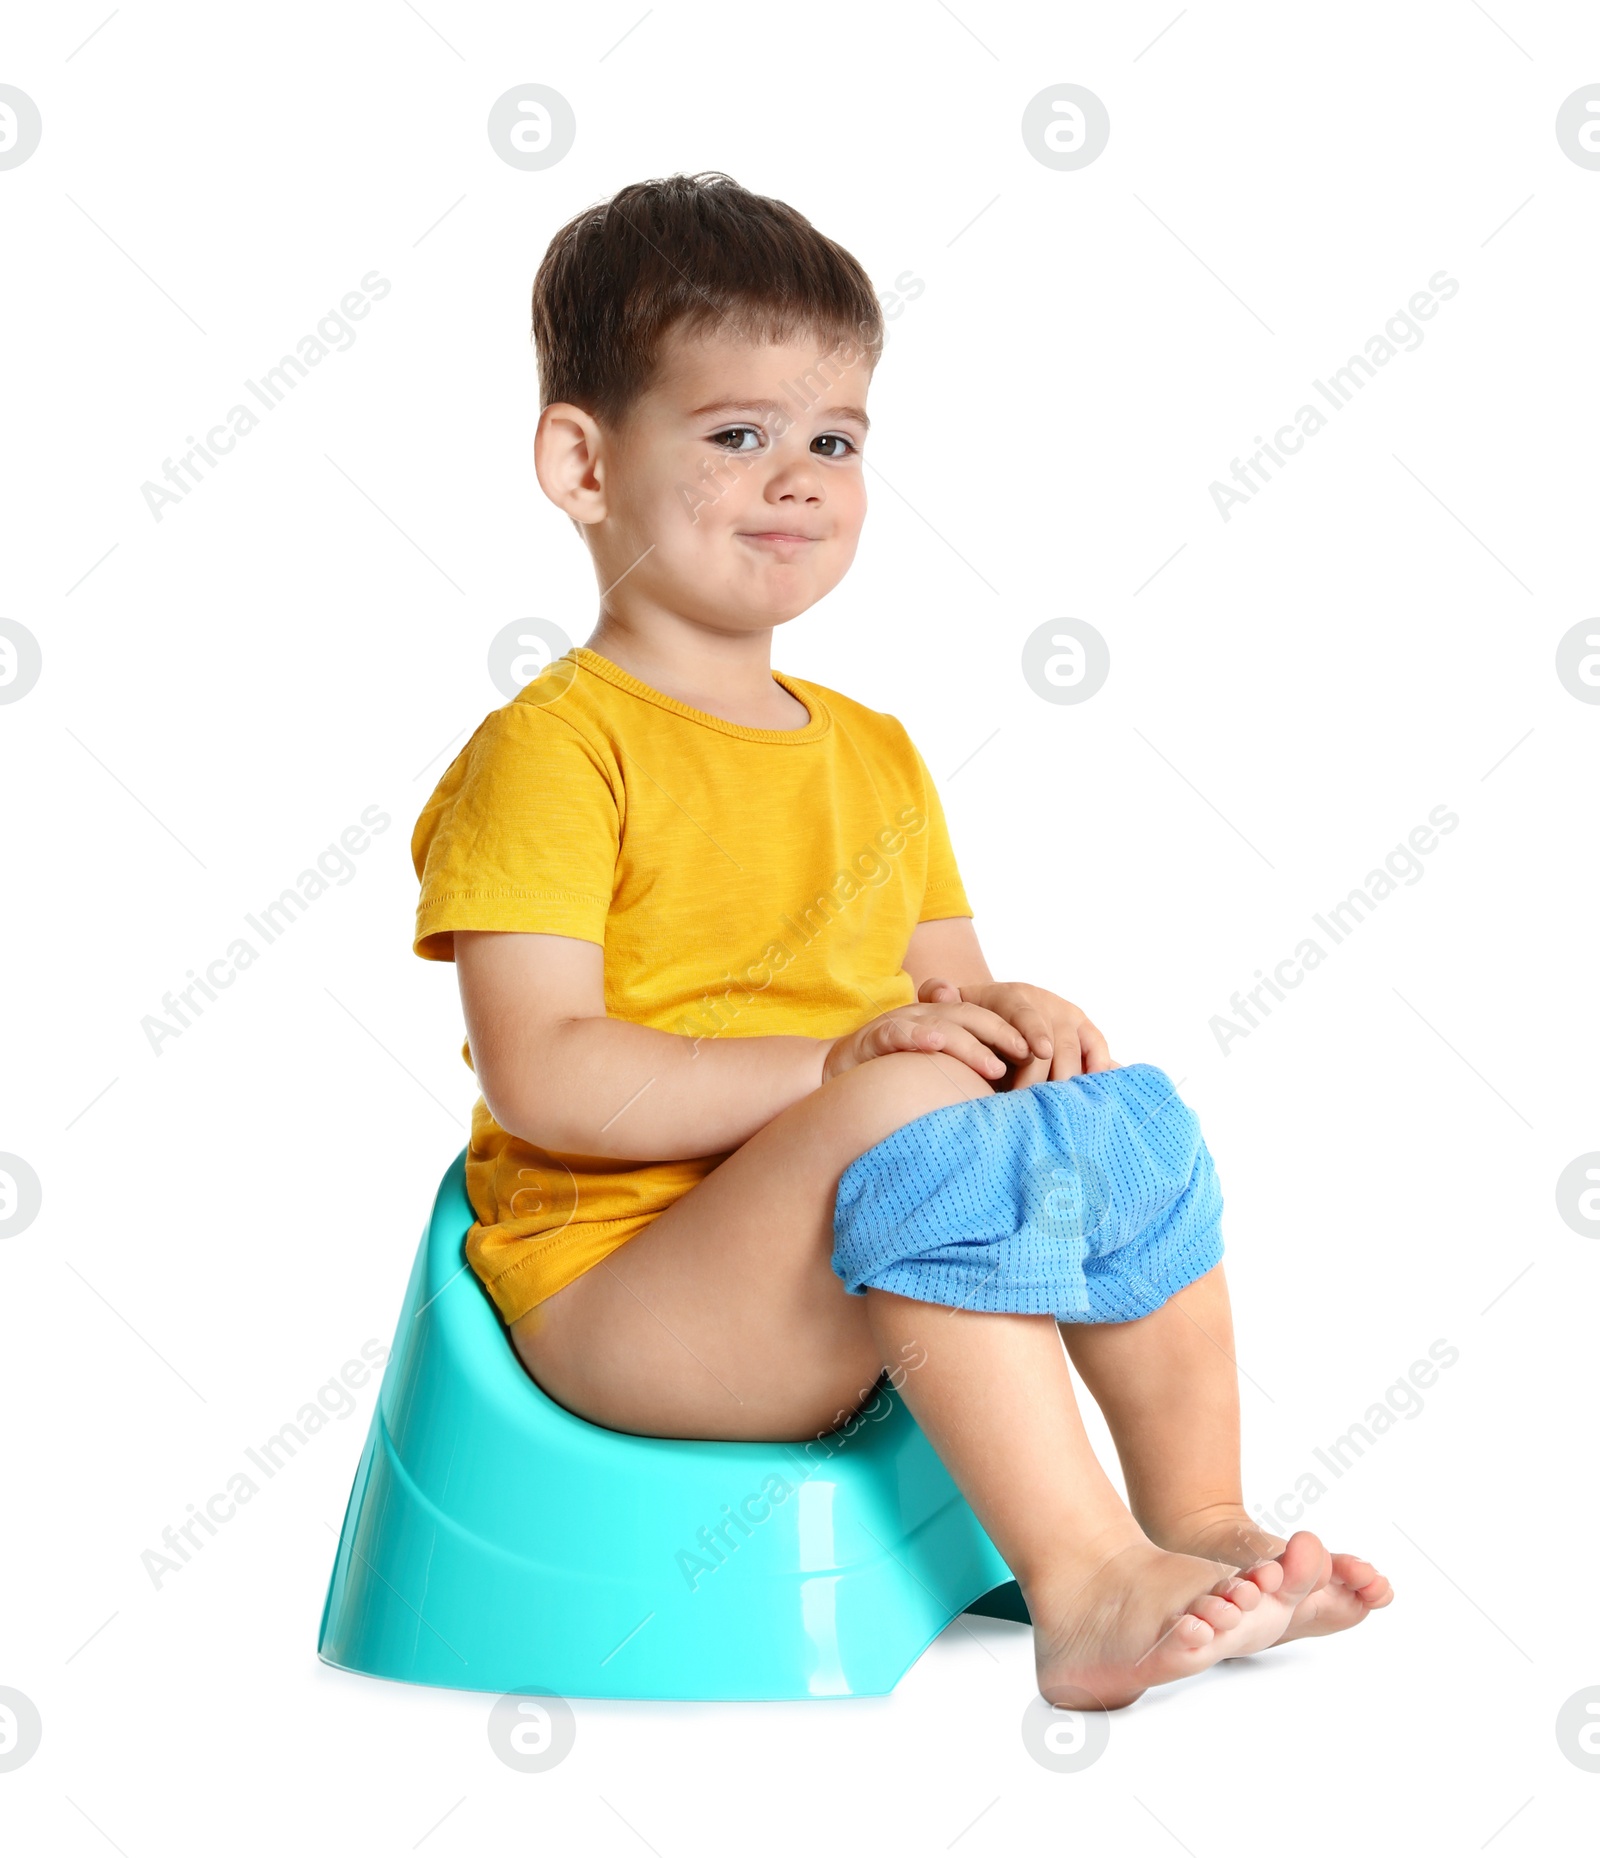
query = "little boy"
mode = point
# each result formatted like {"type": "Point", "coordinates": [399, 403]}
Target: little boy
{"type": "Point", "coordinates": [713, 945]}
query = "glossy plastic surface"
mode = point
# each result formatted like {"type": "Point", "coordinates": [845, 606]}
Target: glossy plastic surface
{"type": "Point", "coordinates": [494, 1541]}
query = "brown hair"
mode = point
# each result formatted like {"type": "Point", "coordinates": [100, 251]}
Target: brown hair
{"type": "Point", "coordinates": [688, 251]}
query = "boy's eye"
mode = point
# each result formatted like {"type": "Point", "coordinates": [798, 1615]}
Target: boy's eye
{"type": "Point", "coordinates": [751, 439]}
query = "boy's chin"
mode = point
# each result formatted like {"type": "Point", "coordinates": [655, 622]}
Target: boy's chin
{"type": "Point", "coordinates": [762, 607]}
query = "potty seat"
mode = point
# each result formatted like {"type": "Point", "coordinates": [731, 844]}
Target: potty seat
{"type": "Point", "coordinates": [495, 1541]}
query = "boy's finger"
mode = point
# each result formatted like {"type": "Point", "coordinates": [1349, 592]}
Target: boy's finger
{"type": "Point", "coordinates": [1035, 1028]}
{"type": "Point", "coordinates": [1067, 1061]}
{"type": "Point", "coordinates": [999, 1030]}
{"type": "Point", "coordinates": [946, 1038]}
{"type": "Point", "coordinates": [1030, 1071]}
{"type": "Point", "coordinates": [978, 1020]}
{"type": "Point", "coordinates": [1096, 1052]}
{"type": "Point", "coordinates": [972, 1051]}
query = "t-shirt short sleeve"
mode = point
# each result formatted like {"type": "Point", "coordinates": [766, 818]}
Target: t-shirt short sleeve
{"type": "Point", "coordinates": [521, 833]}
{"type": "Point", "coordinates": [945, 894]}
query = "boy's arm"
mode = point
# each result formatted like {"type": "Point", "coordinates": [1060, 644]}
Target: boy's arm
{"type": "Point", "coordinates": [948, 950]}
{"type": "Point", "coordinates": [557, 1072]}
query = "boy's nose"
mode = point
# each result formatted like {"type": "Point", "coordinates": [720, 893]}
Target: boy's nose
{"type": "Point", "coordinates": [798, 481]}
{"type": "Point", "coordinates": [790, 491]}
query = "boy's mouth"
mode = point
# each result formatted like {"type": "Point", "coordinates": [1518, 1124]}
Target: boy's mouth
{"type": "Point", "coordinates": [781, 541]}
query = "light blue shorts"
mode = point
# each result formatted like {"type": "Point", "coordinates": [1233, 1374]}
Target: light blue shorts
{"type": "Point", "coordinates": [1092, 1199]}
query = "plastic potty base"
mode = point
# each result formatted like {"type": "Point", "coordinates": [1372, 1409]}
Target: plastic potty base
{"type": "Point", "coordinates": [494, 1541]}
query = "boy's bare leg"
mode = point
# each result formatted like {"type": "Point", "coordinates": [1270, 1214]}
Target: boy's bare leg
{"type": "Point", "coordinates": [1169, 1388]}
{"type": "Point", "coordinates": [724, 1319]}
{"type": "Point", "coordinates": [1113, 1612]}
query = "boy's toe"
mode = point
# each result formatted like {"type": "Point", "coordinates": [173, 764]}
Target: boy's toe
{"type": "Point", "coordinates": [1266, 1577]}
{"type": "Point", "coordinates": [1218, 1613]}
{"type": "Point", "coordinates": [1306, 1565]}
{"type": "Point", "coordinates": [1245, 1595]}
{"type": "Point", "coordinates": [1353, 1571]}
{"type": "Point", "coordinates": [1193, 1632]}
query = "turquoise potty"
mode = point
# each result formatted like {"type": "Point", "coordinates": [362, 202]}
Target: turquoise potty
{"type": "Point", "coordinates": [495, 1541]}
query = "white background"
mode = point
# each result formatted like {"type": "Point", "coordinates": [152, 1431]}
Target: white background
{"type": "Point", "coordinates": [1372, 636]}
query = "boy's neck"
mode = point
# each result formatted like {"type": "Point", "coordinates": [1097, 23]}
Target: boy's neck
{"type": "Point", "coordinates": [725, 676]}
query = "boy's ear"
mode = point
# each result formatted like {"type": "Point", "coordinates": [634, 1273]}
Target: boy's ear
{"type": "Point", "coordinates": [566, 460]}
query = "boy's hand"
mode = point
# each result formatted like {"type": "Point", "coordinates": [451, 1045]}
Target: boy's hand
{"type": "Point", "coordinates": [1062, 1039]}
{"type": "Point", "coordinates": [963, 1030]}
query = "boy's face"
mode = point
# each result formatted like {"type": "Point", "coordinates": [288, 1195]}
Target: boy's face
{"type": "Point", "coordinates": [733, 489]}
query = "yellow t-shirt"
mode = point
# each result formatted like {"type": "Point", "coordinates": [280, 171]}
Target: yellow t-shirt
{"type": "Point", "coordinates": [742, 882]}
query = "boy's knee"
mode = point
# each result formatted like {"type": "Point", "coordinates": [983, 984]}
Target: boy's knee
{"type": "Point", "coordinates": [936, 1077]}
{"type": "Point", "coordinates": [887, 1093]}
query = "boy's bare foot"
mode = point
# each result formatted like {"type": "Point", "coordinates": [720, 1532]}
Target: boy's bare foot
{"type": "Point", "coordinates": [1142, 1616]}
{"type": "Point", "coordinates": [1353, 1589]}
